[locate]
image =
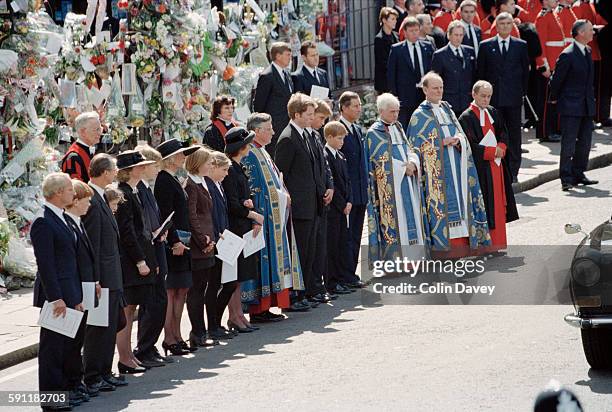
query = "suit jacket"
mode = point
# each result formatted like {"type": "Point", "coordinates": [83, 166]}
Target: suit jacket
{"type": "Point", "coordinates": [353, 150]}
{"type": "Point", "coordinates": [571, 84]}
{"type": "Point", "coordinates": [237, 190]}
{"type": "Point", "coordinates": [103, 233]}
{"type": "Point", "coordinates": [56, 256]}
{"type": "Point", "coordinates": [458, 75]}
{"type": "Point", "coordinates": [135, 243]}
{"type": "Point", "coordinates": [322, 173]}
{"type": "Point", "coordinates": [85, 254]}
{"type": "Point", "coordinates": [272, 96]}
{"type": "Point", "coordinates": [151, 214]}
{"type": "Point", "coordinates": [200, 219]}
{"type": "Point", "coordinates": [471, 126]}
{"type": "Point", "coordinates": [509, 76]}
{"type": "Point", "coordinates": [439, 36]}
{"type": "Point", "coordinates": [170, 198]}
{"type": "Point", "coordinates": [382, 48]}
{"type": "Point", "coordinates": [294, 160]}
{"type": "Point", "coordinates": [468, 41]}
{"type": "Point", "coordinates": [400, 18]}
{"type": "Point", "coordinates": [401, 74]}
{"type": "Point", "coordinates": [220, 218]}
{"type": "Point", "coordinates": [303, 80]}
{"type": "Point", "coordinates": [342, 182]}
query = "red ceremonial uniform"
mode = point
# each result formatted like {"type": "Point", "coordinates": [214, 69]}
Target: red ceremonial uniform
{"type": "Point", "coordinates": [531, 10]}
{"type": "Point", "coordinates": [567, 18]}
{"type": "Point", "coordinates": [498, 235]}
{"type": "Point", "coordinates": [443, 19]}
{"type": "Point", "coordinates": [475, 22]}
{"type": "Point", "coordinates": [585, 10]}
{"type": "Point", "coordinates": [552, 38]}
{"type": "Point", "coordinates": [76, 162]}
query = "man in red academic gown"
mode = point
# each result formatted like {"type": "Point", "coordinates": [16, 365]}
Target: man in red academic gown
{"type": "Point", "coordinates": [486, 132]}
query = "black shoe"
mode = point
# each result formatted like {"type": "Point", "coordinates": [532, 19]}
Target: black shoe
{"type": "Point", "coordinates": [233, 326]}
{"type": "Point", "coordinates": [298, 307]}
{"type": "Point", "coordinates": [320, 298]}
{"type": "Point", "coordinates": [130, 370]}
{"type": "Point", "coordinates": [159, 357]}
{"type": "Point", "coordinates": [115, 380]}
{"type": "Point", "coordinates": [174, 349]}
{"type": "Point", "coordinates": [310, 304]}
{"type": "Point", "coordinates": [221, 334]}
{"type": "Point", "coordinates": [553, 138]}
{"type": "Point", "coordinates": [150, 362]}
{"type": "Point", "coordinates": [524, 150]}
{"type": "Point", "coordinates": [105, 386]}
{"type": "Point", "coordinates": [77, 397]}
{"type": "Point", "coordinates": [339, 290]}
{"type": "Point", "coordinates": [84, 389]}
{"type": "Point", "coordinates": [195, 340]}
{"type": "Point", "coordinates": [566, 186]}
{"type": "Point", "coordinates": [257, 327]}
{"type": "Point", "coordinates": [265, 317]}
{"type": "Point", "coordinates": [355, 285]}
{"type": "Point", "coordinates": [186, 347]}
{"type": "Point", "coordinates": [329, 296]}
{"type": "Point", "coordinates": [586, 182]}
{"type": "Point", "coordinates": [230, 330]}
{"type": "Point", "coordinates": [606, 123]}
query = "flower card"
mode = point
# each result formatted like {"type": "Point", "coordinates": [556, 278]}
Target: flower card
{"type": "Point", "coordinates": [67, 93]}
{"type": "Point", "coordinates": [128, 79]}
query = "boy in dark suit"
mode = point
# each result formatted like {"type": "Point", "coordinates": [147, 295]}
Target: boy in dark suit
{"type": "Point", "coordinates": [338, 258]}
{"type": "Point", "coordinates": [57, 282]}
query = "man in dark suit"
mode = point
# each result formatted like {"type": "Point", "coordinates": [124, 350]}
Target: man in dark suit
{"type": "Point", "coordinates": [456, 64]}
{"type": "Point", "coordinates": [426, 29]}
{"type": "Point", "coordinates": [473, 34]}
{"type": "Point", "coordinates": [408, 62]}
{"type": "Point", "coordinates": [338, 257]}
{"type": "Point", "coordinates": [274, 88]}
{"type": "Point", "coordinates": [503, 61]}
{"type": "Point", "coordinates": [350, 111]}
{"type": "Point", "coordinates": [57, 282]}
{"type": "Point", "coordinates": [310, 74]}
{"type": "Point", "coordinates": [571, 89]}
{"type": "Point", "coordinates": [400, 7]}
{"type": "Point", "coordinates": [295, 158]}
{"type": "Point", "coordinates": [103, 233]}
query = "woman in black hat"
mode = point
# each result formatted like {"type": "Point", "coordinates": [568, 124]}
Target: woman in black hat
{"type": "Point", "coordinates": [138, 262]}
{"type": "Point", "coordinates": [242, 218]}
{"type": "Point", "coordinates": [170, 198]}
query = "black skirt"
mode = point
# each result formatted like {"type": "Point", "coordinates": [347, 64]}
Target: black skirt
{"type": "Point", "coordinates": [137, 295]}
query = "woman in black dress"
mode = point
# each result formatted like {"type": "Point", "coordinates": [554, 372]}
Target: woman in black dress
{"type": "Point", "coordinates": [221, 117]}
{"type": "Point", "coordinates": [383, 41]}
{"type": "Point", "coordinates": [170, 198]}
{"type": "Point", "coordinates": [138, 262]}
{"type": "Point", "coordinates": [242, 218]}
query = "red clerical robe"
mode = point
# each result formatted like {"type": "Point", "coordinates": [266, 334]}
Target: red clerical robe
{"type": "Point", "coordinates": [498, 234]}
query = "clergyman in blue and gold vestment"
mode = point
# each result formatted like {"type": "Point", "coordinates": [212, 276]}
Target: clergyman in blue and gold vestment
{"type": "Point", "coordinates": [395, 221]}
{"type": "Point", "coordinates": [456, 220]}
{"type": "Point", "coordinates": [279, 264]}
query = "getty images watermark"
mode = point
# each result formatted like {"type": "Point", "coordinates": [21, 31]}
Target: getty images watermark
{"type": "Point", "coordinates": [414, 267]}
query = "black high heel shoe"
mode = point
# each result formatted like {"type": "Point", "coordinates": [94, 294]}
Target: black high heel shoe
{"type": "Point", "coordinates": [174, 349]}
{"type": "Point", "coordinates": [123, 369]}
{"type": "Point", "coordinates": [183, 345]}
{"type": "Point", "coordinates": [233, 326]}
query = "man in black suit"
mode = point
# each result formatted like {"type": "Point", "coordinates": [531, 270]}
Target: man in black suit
{"type": "Point", "coordinates": [310, 74]}
{"type": "Point", "coordinates": [408, 62]}
{"type": "Point", "coordinates": [571, 89]}
{"type": "Point", "coordinates": [338, 257]}
{"type": "Point", "coordinates": [503, 61]}
{"type": "Point", "coordinates": [426, 29]}
{"type": "Point", "coordinates": [456, 64]}
{"type": "Point", "coordinates": [295, 158]}
{"type": "Point", "coordinates": [473, 34]}
{"type": "Point", "coordinates": [274, 88]}
{"type": "Point", "coordinates": [103, 233]}
{"type": "Point", "coordinates": [400, 7]}
{"type": "Point", "coordinates": [352, 149]}
{"type": "Point", "coordinates": [57, 282]}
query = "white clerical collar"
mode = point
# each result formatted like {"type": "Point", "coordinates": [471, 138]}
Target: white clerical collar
{"type": "Point", "coordinates": [298, 128]}
{"type": "Point", "coordinates": [434, 105]}
{"type": "Point", "coordinates": [77, 219]}
{"type": "Point", "coordinates": [57, 210]}
{"type": "Point", "coordinates": [331, 149]}
{"type": "Point", "coordinates": [97, 189]}
{"type": "Point", "coordinates": [281, 71]}
{"type": "Point", "coordinates": [581, 46]}
{"type": "Point", "coordinates": [346, 122]}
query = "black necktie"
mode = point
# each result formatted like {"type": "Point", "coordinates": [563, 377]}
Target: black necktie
{"type": "Point", "coordinates": [306, 137]}
{"type": "Point", "coordinates": [504, 50]}
{"type": "Point", "coordinates": [468, 32]}
{"type": "Point", "coordinates": [287, 81]}
{"type": "Point", "coordinates": [417, 64]}
{"type": "Point", "coordinates": [459, 57]}
{"type": "Point", "coordinates": [314, 74]}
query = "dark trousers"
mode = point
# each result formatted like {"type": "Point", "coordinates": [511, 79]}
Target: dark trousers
{"type": "Point", "coordinates": [406, 111]}
{"type": "Point", "coordinates": [603, 88]}
{"type": "Point", "coordinates": [55, 361]}
{"type": "Point", "coordinates": [338, 254]}
{"type": "Point", "coordinates": [512, 116]}
{"type": "Point", "coordinates": [75, 371]}
{"type": "Point", "coordinates": [576, 133]}
{"type": "Point", "coordinates": [206, 284]}
{"type": "Point", "coordinates": [320, 268]}
{"type": "Point", "coordinates": [151, 318]}
{"type": "Point", "coordinates": [305, 238]}
{"type": "Point", "coordinates": [549, 120]}
{"type": "Point", "coordinates": [99, 347]}
{"type": "Point", "coordinates": [356, 218]}
{"type": "Point", "coordinates": [532, 94]}
{"type": "Point", "coordinates": [227, 290]}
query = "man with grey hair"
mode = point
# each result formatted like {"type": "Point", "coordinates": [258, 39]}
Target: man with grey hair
{"type": "Point", "coordinates": [57, 284]}
{"type": "Point", "coordinates": [77, 158]}
{"type": "Point", "coordinates": [278, 260]}
{"type": "Point", "coordinates": [426, 28]}
{"type": "Point", "coordinates": [393, 187]}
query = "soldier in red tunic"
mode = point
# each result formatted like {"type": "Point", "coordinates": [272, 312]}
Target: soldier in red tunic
{"type": "Point", "coordinates": [552, 40]}
{"type": "Point", "coordinates": [531, 10]}
{"type": "Point", "coordinates": [567, 18]}
{"type": "Point", "coordinates": [446, 15]}
{"type": "Point", "coordinates": [77, 158]}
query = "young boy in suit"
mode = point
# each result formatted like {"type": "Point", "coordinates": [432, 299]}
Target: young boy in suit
{"type": "Point", "coordinates": [338, 258]}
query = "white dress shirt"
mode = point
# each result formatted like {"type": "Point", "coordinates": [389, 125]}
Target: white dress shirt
{"type": "Point", "coordinates": [332, 150]}
{"type": "Point", "coordinates": [313, 72]}
{"type": "Point", "coordinates": [280, 71]}
{"type": "Point", "coordinates": [77, 219]}
{"type": "Point", "coordinates": [469, 28]}
{"type": "Point", "coordinates": [298, 128]}
{"type": "Point", "coordinates": [499, 43]}
{"type": "Point", "coordinates": [58, 211]}
{"type": "Point", "coordinates": [581, 46]}
{"type": "Point", "coordinates": [419, 54]}
{"type": "Point", "coordinates": [97, 189]}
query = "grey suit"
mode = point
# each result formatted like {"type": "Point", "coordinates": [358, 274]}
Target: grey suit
{"type": "Point", "coordinates": [103, 232]}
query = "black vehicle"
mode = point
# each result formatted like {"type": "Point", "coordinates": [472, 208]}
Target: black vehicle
{"type": "Point", "coordinates": [591, 290]}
